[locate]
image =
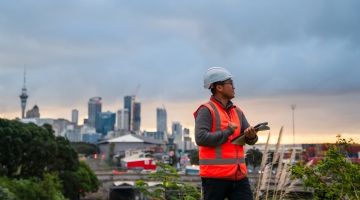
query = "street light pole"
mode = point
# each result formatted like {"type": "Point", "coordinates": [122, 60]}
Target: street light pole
{"type": "Point", "coordinates": [293, 106]}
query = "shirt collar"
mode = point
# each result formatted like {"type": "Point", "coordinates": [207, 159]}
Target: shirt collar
{"type": "Point", "coordinates": [228, 106]}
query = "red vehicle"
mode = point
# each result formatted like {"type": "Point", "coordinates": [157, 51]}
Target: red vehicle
{"type": "Point", "coordinates": [138, 162]}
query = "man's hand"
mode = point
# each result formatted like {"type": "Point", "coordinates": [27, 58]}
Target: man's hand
{"type": "Point", "coordinates": [233, 125]}
{"type": "Point", "coordinates": [250, 133]}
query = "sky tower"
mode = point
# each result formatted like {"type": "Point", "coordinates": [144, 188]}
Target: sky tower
{"type": "Point", "coordinates": [23, 97]}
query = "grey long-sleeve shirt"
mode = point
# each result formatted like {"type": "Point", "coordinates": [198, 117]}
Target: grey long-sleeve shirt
{"type": "Point", "coordinates": [203, 124]}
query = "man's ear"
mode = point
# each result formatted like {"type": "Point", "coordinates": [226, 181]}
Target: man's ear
{"type": "Point", "coordinates": [219, 88]}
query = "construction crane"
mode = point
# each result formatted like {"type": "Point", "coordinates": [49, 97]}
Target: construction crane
{"type": "Point", "coordinates": [136, 91]}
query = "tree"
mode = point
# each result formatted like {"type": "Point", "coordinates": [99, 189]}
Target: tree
{"type": "Point", "coordinates": [85, 148]}
{"type": "Point", "coordinates": [29, 152]}
{"type": "Point", "coordinates": [87, 179]}
{"type": "Point", "coordinates": [26, 149]}
{"type": "Point", "coordinates": [169, 188]}
{"type": "Point", "coordinates": [333, 177]}
{"type": "Point", "coordinates": [48, 188]}
{"type": "Point", "coordinates": [253, 157]}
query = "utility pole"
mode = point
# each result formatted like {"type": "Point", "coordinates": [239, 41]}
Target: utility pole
{"type": "Point", "coordinates": [293, 106]}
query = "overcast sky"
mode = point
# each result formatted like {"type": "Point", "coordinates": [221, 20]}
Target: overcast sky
{"type": "Point", "coordinates": [280, 53]}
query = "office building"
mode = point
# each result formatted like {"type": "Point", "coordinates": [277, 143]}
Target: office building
{"type": "Point", "coordinates": [123, 119]}
{"type": "Point", "coordinates": [137, 117]}
{"type": "Point", "coordinates": [128, 104]}
{"type": "Point", "coordinates": [75, 116]}
{"type": "Point", "coordinates": [105, 122]}
{"type": "Point", "coordinates": [161, 120]}
{"type": "Point", "coordinates": [94, 107]}
{"type": "Point", "coordinates": [33, 113]}
{"type": "Point", "coordinates": [177, 134]}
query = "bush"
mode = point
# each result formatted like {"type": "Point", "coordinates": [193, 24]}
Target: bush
{"type": "Point", "coordinates": [334, 177]}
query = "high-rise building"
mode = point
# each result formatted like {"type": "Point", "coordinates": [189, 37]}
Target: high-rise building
{"type": "Point", "coordinates": [186, 132]}
{"type": "Point", "coordinates": [129, 104]}
{"type": "Point", "coordinates": [137, 117]}
{"type": "Point", "coordinates": [94, 107]}
{"type": "Point", "coordinates": [105, 122]}
{"type": "Point", "coordinates": [23, 97]}
{"type": "Point", "coordinates": [187, 139]}
{"type": "Point", "coordinates": [33, 113]}
{"type": "Point", "coordinates": [161, 120]}
{"type": "Point", "coordinates": [75, 116]}
{"type": "Point", "coordinates": [123, 119]}
{"type": "Point", "coordinates": [176, 129]}
{"type": "Point", "coordinates": [177, 134]}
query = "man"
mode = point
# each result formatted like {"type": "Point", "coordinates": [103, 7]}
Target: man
{"type": "Point", "coordinates": [222, 164]}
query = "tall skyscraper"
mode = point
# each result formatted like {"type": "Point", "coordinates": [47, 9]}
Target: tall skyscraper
{"type": "Point", "coordinates": [187, 139]}
{"type": "Point", "coordinates": [161, 120]}
{"type": "Point", "coordinates": [129, 105]}
{"type": "Point", "coordinates": [177, 134]}
{"type": "Point", "coordinates": [94, 107]}
{"type": "Point", "coordinates": [75, 116]}
{"type": "Point", "coordinates": [123, 119]}
{"type": "Point", "coordinates": [176, 129]}
{"type": "Point", "coordinates": [105, 122]}
{"type": "Point", "coordinates": [137, 117]}
{"type": "Point", "coordinates": [33, 113]}
{"type": "Point", "coordinates": [23, 97]}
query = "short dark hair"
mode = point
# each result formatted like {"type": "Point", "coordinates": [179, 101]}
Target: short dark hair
{"type": "Point", "coordinates": [213, 87]}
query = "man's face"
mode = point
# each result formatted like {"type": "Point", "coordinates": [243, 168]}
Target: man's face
{"type": "Point", "coordinates": [227, 89]}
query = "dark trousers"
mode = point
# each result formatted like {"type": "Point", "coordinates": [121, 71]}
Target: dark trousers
{"type": "Point", "coordinates": [219, 189]}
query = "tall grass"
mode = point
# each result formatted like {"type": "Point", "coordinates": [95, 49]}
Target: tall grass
{"type": "Point", "coordinates": [262, 168]}
{"type": "Point", "coordinates": [276, 183]}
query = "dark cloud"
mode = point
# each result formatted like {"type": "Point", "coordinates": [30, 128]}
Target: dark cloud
{"type": "Point", "coordinates": [75, 50]}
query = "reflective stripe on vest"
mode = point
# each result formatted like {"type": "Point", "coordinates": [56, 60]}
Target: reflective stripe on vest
{"type": "Point", "coordinates": [221, 161]}
{"type": "Point", "coordinates": [218, 152]}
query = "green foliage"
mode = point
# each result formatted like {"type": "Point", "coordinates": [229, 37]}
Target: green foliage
{"type": "Point", "coordinates": [254, 157]}
{"type": "Point", "coordinates": [87, 179]}
{"type": "Point", "coordinates": [79, 182]}
{"type": "Point", "coordinates": [49, 188]}
{"type": "Point", "coordinates": [334, 177]}
{"type": "Point", "coordinates": [169, 186]}
{"type": "Point", "coordinates": [85, 148]}
{"type": "Point", "coordinates": [5, 194]}
{"type": "Point", "coordinates": [66, 158]}
{"type": "Point", "coordinates": [194, 157]}
{"type": "Point", "coordinates": [27, 152]}
{"type": "Point", "coordinates": [26, 149]}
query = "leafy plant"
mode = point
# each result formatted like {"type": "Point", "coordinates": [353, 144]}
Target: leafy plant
{"type": "Point", "coordinates": [169, 186]}
{"type": "Point", "coordinates": [333, 177]}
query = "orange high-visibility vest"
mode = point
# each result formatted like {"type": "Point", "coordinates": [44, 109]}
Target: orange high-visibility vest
{"type": "Point", "coordinates": [226, 161]}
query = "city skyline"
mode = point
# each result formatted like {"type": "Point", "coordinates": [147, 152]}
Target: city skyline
{"type": "Point", "coordinates": [278, 55]}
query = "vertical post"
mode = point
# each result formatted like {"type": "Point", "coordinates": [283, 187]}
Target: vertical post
{"type": "Point", "coordinates": [293, 106]}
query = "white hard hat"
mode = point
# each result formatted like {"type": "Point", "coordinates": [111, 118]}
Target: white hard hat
{"type": "Point", "coordinates": [215, 74]}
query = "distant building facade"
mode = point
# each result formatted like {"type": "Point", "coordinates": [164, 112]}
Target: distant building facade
{"type": "Point", "coordinates": [128, 104]}
{"type": "Point", "coordinates": [123, 119]}
{"type": "Point", "coordinates": [94, 107]}
{"type": "Point", "coordinates": [137, 117]}
{"type": "Point", "coordinates": [154, 135]}
{"type": "Point", "coordinates": [177, 134]}
{"type": "Point", "coordinates": [72, 133]}
{"type": "Point", "coordinates": [161, 120]}
{"type": "Point", "coordinates": [75, 116]}
{"type": "Point", "coordinates": [33, 113]}
{"type": "Point", "coordinates": [105, 122]}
